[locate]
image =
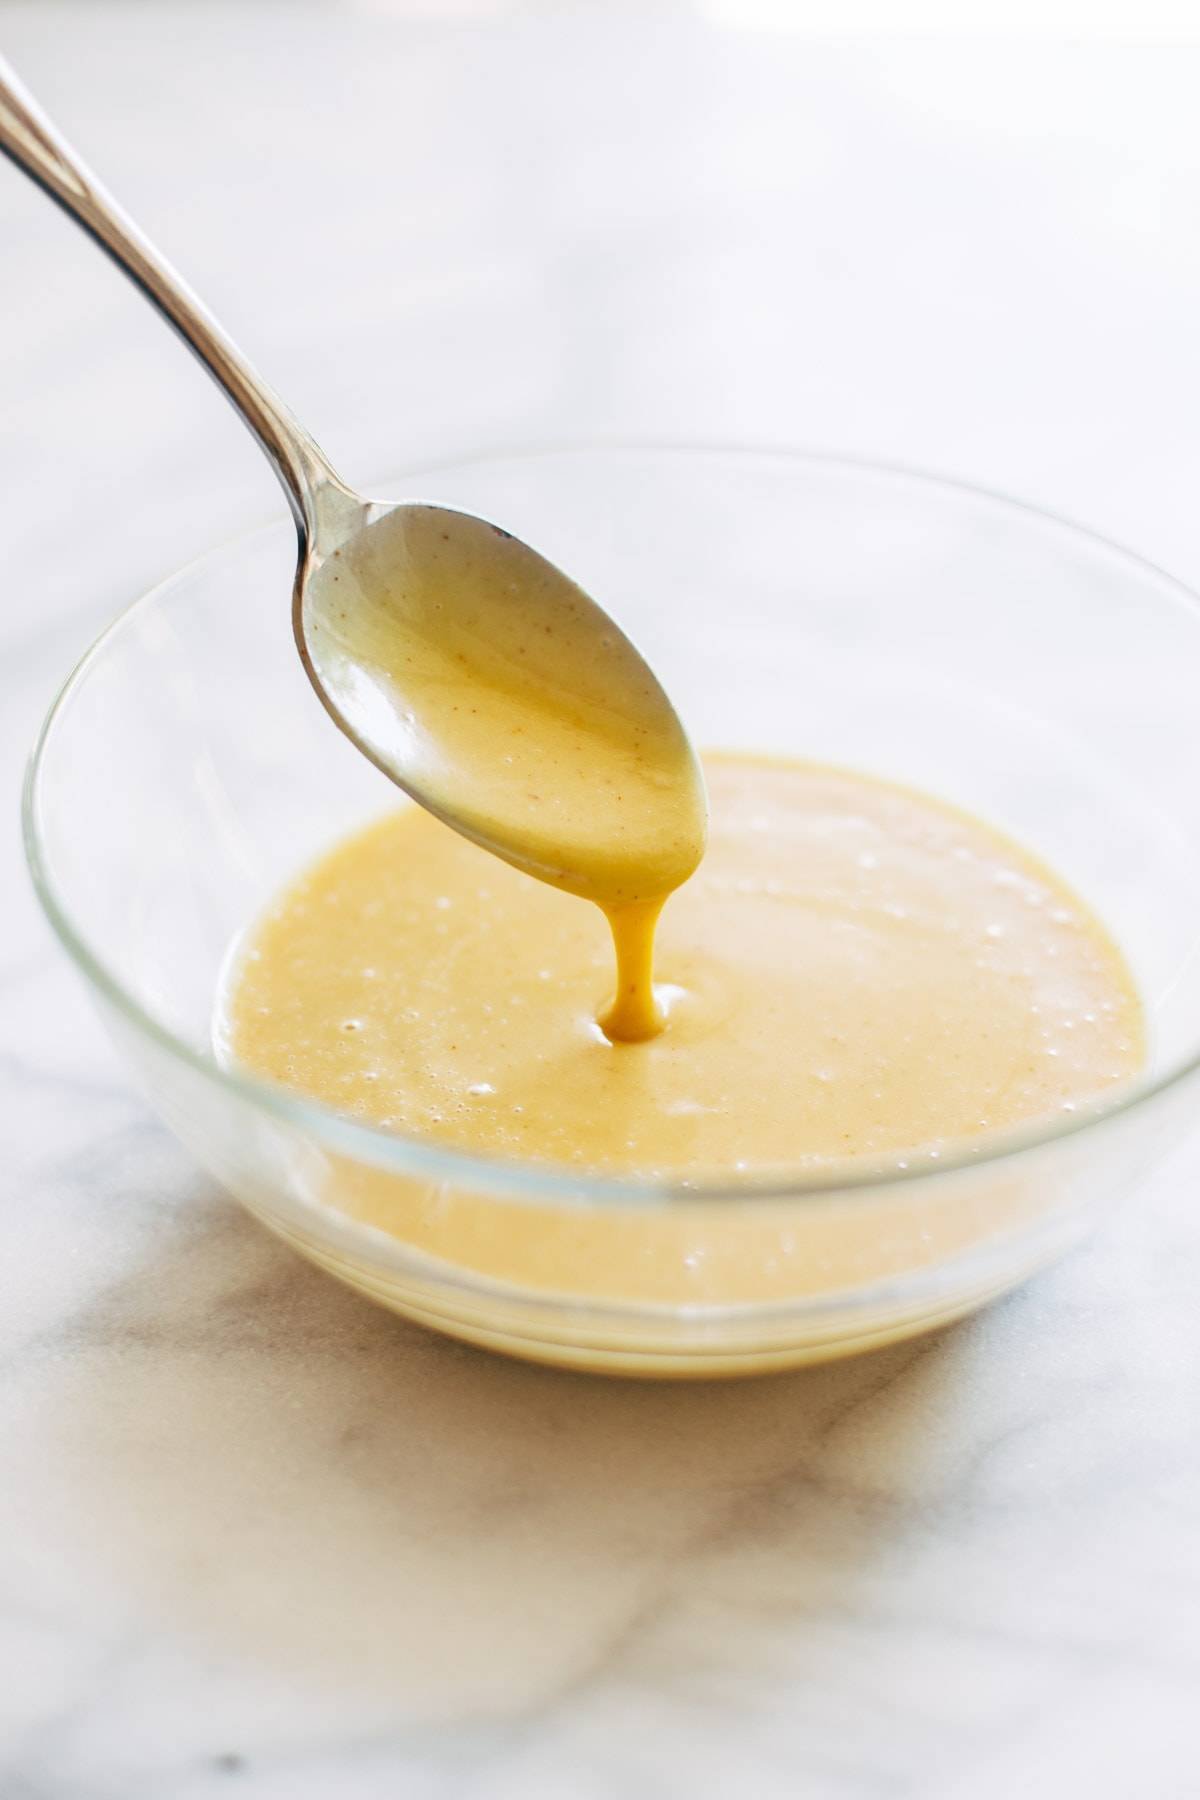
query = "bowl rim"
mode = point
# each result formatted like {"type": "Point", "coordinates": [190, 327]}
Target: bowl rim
{"type": "Point", "coordinates": [559, 1184]}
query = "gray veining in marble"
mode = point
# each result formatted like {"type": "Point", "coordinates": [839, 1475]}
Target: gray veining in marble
{"type": "Point", "coordinates": [258, 1539]}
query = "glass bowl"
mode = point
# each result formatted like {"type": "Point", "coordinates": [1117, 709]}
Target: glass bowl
{"type": "Point", "coordinates": [871, 617]}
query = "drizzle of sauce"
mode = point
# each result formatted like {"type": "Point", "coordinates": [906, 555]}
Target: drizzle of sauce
{"type": "Point", "coordinates": [519, 712]}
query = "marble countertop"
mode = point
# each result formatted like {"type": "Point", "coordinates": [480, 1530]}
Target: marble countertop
{"type": "Point", "coordinates": [259, 1539]}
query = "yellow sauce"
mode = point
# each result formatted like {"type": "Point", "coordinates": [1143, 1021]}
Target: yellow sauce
{"type": "Point", "coordinates": [500, 695]}
{"type": "Point", "coordinates": [856, 971]}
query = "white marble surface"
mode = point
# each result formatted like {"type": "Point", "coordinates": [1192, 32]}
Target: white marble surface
{"type": "Point", "coordinates": [258, 1539]}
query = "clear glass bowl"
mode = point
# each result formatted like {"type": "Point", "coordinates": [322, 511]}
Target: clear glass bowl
{"type": "Point", "coordinates": [920, 630]}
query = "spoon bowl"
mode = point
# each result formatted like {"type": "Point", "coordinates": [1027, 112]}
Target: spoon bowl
{"type": "Point", "coordinates": [497, 693]}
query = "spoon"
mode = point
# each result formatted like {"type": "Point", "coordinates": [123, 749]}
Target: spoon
{"type": "Point", "coordinates": [467, 667]}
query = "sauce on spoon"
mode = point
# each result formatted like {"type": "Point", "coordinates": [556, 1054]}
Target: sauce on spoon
{"type": "Point", "coordinates": [515, 709]}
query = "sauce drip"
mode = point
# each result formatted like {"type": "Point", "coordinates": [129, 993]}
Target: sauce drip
{"type": "Point", "coordinates": [519, 712]}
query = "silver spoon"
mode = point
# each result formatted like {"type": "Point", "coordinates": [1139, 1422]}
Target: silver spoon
{"type": "Point", "coordinates": [461, 662]}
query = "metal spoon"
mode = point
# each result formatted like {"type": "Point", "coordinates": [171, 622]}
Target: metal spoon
{"type": "Point", "coordinates": [465, 665]}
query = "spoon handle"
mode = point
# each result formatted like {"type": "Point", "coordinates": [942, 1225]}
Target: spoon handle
{"type": "Point", "coordinates": [30, 140]}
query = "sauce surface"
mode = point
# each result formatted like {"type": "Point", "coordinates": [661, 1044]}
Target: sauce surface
{"type": "Point", "coordinates": [856, 970]}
